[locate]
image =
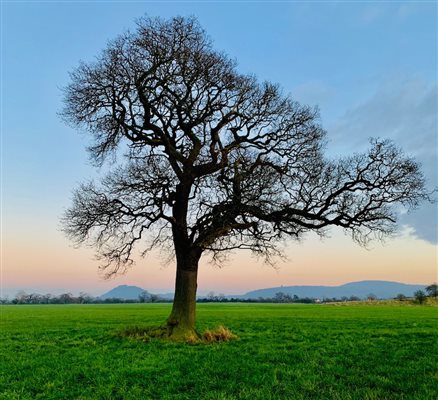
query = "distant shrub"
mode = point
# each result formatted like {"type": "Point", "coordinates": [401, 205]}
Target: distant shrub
{"type": "Point", "coordinates": [400, 297]}
{"type": "Point", "coordinates": [432, 290]}
{"type": "Point", "coordinates": [420, 296]}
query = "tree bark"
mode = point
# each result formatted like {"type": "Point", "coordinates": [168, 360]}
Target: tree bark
{"type": "Point", "coordinates": [182, 319]}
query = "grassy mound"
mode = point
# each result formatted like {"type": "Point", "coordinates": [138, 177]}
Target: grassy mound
{"type": "Point", "coordinates": [146, 334]}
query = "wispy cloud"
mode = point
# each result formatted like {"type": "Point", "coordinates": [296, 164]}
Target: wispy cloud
{"type": "Point", "coordinates": [314, 93]}
{"type": "Point", "coordinates": [374, 12]}
{"type": "Point", "coordinates": [405, 10]}
{"type": "Point", "coordinates": [371, 14]}
{"type": "Point", "coordinates": [404, 110]}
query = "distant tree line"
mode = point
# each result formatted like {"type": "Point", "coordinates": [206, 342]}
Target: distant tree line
{"type": "Point", "coordinates": [83, 298]}
{"type": "Point", "coordinates": [36, 298]}
{"type": "Point", "coordinates": [420, 296]}
{"type": "Point", "coordinates": [22, 297]}
{"type": "Point", "coordinates": [279, 297]}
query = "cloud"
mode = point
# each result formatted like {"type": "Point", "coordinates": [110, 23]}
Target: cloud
{"type": "Point", "coordinates": [405, 10]}
{"type": "Point", "coordinates": [379, 12]}
{"type": "Point", "coordinates": [404, 110]}
{"type": "Point", "coordinates": [371, 14]}
{"type": "Point", "coordinates": [314, 93]}
{"type": "Point", "coordinates": [407, 232]}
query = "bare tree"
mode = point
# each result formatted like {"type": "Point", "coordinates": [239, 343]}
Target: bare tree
{"type": "Point", "coordinates": [432, 290]}
{"type": "Point", "coordinates": [144, 297]}
{"type": "Point", "coordinates": [400, 297]}
{"type": "Point", "coordinates": [21, 297]}
{"type": "Point", "coordinates": [420, 297]}
{"type": "Point", "coordinates": [84, 298]}
{"type": "Point", "coordinates": [215, 161]}
{"type": "Point", "coordinates": [66, 298]}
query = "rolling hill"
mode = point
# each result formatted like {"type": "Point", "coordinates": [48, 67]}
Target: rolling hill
{"type": "Point", "coordinates": [381, 289]}
{"type": "Point", "coordinates": [124, 292]}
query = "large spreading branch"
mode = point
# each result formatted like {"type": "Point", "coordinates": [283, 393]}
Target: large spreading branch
{"type": "Point", "coordinates": [216, 160]}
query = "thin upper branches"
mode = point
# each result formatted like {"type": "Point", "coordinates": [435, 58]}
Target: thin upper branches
{"type": "Point", "coordinates": [215, 160]}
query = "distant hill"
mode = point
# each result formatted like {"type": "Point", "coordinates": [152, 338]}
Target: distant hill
{"type": "Point", "coordinates": [381, 289]}
{"type": "Point", "coordinates": [124, 292]}
{"type": "Point", "coordinates": [127, 292]}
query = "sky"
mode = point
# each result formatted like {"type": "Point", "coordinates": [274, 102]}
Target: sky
{"type": "Point", "coordinates": [371, 68]}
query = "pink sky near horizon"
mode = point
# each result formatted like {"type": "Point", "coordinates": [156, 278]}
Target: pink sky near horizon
{"type": "Point", "coordinates": [48, 263]}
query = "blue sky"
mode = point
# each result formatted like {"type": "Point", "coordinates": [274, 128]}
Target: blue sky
{"type": "Point", "coordinates": [371, 67]}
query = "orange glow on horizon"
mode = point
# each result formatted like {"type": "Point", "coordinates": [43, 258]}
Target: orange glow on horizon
{"type": "Point", "coordinates": [51, 263]}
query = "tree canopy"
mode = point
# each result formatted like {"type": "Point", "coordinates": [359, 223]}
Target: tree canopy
{"type": "Point", "coordinates": [212, 160]}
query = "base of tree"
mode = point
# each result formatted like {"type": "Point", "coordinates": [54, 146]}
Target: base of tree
{"type": "Point", "coordinates": [146, 334]}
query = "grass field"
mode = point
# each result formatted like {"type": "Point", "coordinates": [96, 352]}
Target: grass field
{"type": "Point", "coordinates": [284, 352]}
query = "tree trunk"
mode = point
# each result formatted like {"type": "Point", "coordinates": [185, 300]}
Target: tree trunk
{"type": "Point", "coordinates": [181, 322]}
{"type": "Point", "coordinates": [182, 319]}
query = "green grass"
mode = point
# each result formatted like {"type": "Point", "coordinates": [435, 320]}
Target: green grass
{"type": "Point", "coordinates": [284, 352]}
